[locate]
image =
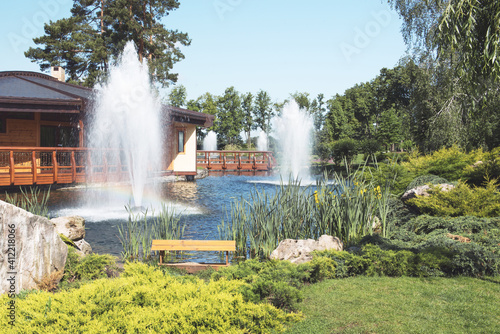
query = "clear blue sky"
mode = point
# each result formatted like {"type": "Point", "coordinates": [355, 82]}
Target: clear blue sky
{"type": "Point", "coordinates": [281, 46]}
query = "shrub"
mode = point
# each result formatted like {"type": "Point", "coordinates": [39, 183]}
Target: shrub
{"type": "Point", "coordinates": [33, 202]}
{"type": "Point", "coordinates": [144, 300]}
{"type": "Point", "coordinates": [344, 149]}
{"type": "Point", "coordinates": [92, 266]}
{"type": "Point", "coordinates": [461, 201]}
{"type": "Point", "coordinates": [447, 163]}
{"type": "Point", "coordinates": [487, 167]}
{"type": "Point", "coordinates": [425, 179]}
{"type": "Point", "coordinates": [369, 146]}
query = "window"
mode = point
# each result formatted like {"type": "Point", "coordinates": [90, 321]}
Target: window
{"type": "Point", "coordinates": [180, 141]}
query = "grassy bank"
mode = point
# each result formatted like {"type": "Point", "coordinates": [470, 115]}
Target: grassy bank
{"type": "Point", "coordinates": [401, 305]}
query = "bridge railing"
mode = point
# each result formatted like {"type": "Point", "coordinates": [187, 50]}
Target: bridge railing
{"type": "Point", "coordinates": [236, 160]}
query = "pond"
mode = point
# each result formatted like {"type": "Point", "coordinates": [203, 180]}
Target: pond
{"type": "Point", "coordinates": [202, 205]}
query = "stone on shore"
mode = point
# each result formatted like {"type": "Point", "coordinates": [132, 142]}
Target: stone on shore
{"type": "Point", "coordinates": [299, 251]}
{"type": "Point", "coordinates": [30, 248]}
{"type": "Point", "coordinates": [71, 227]}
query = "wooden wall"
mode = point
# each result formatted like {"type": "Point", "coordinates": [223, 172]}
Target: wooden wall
{"type": "Point", "coordinates": [20, 132]}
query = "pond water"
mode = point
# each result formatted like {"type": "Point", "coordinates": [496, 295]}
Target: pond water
{"type": "Point", "coordinates": [202, 204]}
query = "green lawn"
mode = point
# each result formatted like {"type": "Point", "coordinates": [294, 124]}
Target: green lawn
{"type": "Point", "coordinates": [401, 305]}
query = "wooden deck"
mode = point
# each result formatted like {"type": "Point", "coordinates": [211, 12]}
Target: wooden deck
{"type": "Point", "coordinates": [57, 165]}
{"type": "Point", "coordinates": [236, 160]}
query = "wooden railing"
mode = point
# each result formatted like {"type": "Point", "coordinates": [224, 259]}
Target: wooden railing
{"type": "Point", "coordinates": [58, 165]}
{"type": "Point", "coordinates": [236, 160]}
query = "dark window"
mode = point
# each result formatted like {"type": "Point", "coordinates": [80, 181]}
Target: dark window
{"type": "Point", "coordinates": [181, 140]}
{"type": "Point", "coordinates": [58, 136]}
{"type": "Point", "coordinates": [3, 125]}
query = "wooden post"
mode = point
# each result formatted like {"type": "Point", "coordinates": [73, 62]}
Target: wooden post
{"type": "Point", "coordinates": [12, 167]}
{"type": "Point", "coordinates": [33, 164]}
{"type": "Point", "coordinates": [227, 258]}
{"type": "Point", "coordinates": [54, 166]}
{"type": "Point", "coordinates": [73, 167]}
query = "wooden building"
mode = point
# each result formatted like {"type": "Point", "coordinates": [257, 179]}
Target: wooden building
{"type": "Point", "coordinates": [43, 123]}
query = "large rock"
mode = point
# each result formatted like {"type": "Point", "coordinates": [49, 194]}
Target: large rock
{"type": "Point", "coordinates": [30, 249]}
{"type": "Point", "coordinates": [71, 227]}
{"type": "Point", "coordinates": [299, 251]}
{"type": "Point", "coordinates": [424, 191]}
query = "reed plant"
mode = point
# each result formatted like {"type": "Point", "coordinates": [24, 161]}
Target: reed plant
{"type": "Point", "coordinates": [141, 228]}
{"type": "Point", "coordinates": [34, 201]}
{"type": "Point", "coordinates": [346, 206]}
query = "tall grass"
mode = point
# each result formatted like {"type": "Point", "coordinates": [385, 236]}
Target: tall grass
{"type": "Point", "coordinates": [344, 206]}
{"type": "Point", "coordinates": [141, 228]}
{"type": "Point", "coordinates": [35, 201]}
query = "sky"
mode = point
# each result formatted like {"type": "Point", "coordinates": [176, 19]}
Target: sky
{"type": "Point", "coordinates": [280, 46]}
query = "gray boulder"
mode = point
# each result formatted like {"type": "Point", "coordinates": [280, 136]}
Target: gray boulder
{"type": "Point", "coordinates": [30, 249]}
{"type": "Point", "coordinates": [299, 251]}
{"type": "Point", "coordinates": [424, 191]}
{"type": "Point", "coordinates": [84, 247]}
{"type": "Point", "coordinates": [71, 227]}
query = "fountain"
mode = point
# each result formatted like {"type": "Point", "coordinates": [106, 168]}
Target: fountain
{"type": "Point", "coordinates": [210, 142]}
{"type": "Point", "coordinates": [293, 129]}
{"type": "Point", "coordinates": [262, 141]}
{"type": "Point", "coordinates": [127, 116]}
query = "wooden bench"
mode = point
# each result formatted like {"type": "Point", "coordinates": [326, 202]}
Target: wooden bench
{"type": "Point", "coordinates": [194, 245]}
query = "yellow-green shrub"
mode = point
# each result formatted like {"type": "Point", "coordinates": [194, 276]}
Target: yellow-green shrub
{"type": "Point", "coordinates": [448, 163]}
{"type": "Point", "coordinates": [463, 200]}
{"type": "Point", "coordinates": [144, 300]}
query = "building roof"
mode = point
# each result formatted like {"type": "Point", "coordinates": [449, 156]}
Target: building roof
{"type": "Point", "coordinates": [24, 91]}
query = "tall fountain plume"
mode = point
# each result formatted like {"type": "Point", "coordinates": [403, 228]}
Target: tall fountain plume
{"type": "Point", "coordinates": [262, 141]}
{"type": "Point", "coordinates": [293, 129]}
{"type": "Point", "coordinates": [210, 142]}
{"type": "Point", "coordinates": [127, 117]}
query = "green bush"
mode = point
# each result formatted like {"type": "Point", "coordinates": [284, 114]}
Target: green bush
{"type": "Point", "coordinates": [344, 149]}
{"type": "Point", "coordinates": [144, 300]}
{"type": "Point", "coordinates": [425, 179]}
{"type": "Point", "coordinates": [487, 167]}
{"type": "Point", "coordinates": [369, 147]}
{"type": "Point", "coordinates": [462, 200]}
{"type": "Point", "coordinates": [90, 267]}
{"type": "Point", "coordinates": [371, 260]}
{"type": "Point", "coordinates": [448, 163]}
{"type": "Point", "coordinates": [277, 282]}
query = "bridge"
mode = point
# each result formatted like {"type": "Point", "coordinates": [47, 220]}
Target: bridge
{"type": "Point", "coordinates": [236, 160]}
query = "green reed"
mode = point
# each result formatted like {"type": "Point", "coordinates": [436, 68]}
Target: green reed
{"type": "Point", "coordinates": [35, 201]}
{"type": "Point", "coordinates": [342, 206]}
{"type": "Point", "coordinates": [141, 228]}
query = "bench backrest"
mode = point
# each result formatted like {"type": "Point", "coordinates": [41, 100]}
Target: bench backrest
{"type": "Point", "coordinates": [194, 245]}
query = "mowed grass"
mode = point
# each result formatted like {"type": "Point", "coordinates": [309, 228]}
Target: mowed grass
{"type": "Point", "coordinates": [401, 305]}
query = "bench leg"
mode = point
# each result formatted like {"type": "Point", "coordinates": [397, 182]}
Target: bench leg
{"type": "Point", "coordinates": [162, 254]}
{"type": "Point", "coordinates": [227, 258]}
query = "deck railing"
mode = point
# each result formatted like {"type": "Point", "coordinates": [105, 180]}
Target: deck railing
{"type": "Point", "coordinates": [58, 165]}
{"type": "Point", "coordinates": [236, 160]}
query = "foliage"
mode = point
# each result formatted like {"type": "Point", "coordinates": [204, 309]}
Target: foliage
{"type": "Point", "coordinates": [487, 166]}
{"type": "Point", "coordinates": [447, 163]}
{"type": "Point", "coordinates": [344, 150]}
{"type": "Point", "coordinates": [369, 147]}
{"type": "Point", "coordinates": [462, 200]}
{"type": "Point", "coordinates": [396, 175]}
{"type": "Point", "coordinates": [247, 110]}
{"type": "Point", "coordinates": [425, 179]}
{"type": "Point", "coordinates": [263, 111]}
{"type": "Point", "coordinates": [96, 32]}
{"type": "Point", "coordinates": [144, 300]}
{"type": "Point", "coordinates": [177, 96]}
{"type": "Point", "coordinates": [229, 120]}
{"type": "Point", "coordinates": [374, 261]}
{"type": "Point", "coordinates": [277, 282]}
{"type": "Point", "coordinates": [50, 281]}
{"type": "Point", "coordinates": [137, 234]}
{"type": "Point", "coordinates": [89, 267]}
{"type": "Point", "coordinates": [31, 202]}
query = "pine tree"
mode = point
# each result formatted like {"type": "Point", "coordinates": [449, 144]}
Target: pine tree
{"type": "Point", "coordinates": [96, 33]}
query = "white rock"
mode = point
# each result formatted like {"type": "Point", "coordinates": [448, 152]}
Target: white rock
{"type": "Point", "coordinates": [299, 251]}
{"type": "Point", "coordinates": [84, 247]}
{"type": "Point", "coordinates": [30, 249]}
{"type": "Point", "coordinates": [71, 227]}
